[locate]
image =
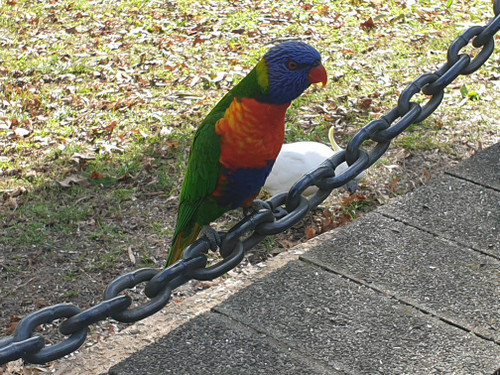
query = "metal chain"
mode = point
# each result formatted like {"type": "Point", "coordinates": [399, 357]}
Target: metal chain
{"type": "Point", "coordinates": [282, 212]}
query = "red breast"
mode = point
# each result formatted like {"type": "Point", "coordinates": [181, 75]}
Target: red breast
{"type": "Point", "coordinates": [252, 133]}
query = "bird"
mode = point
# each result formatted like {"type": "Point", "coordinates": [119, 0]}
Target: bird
{"type": "Point", "coordinates": [299, 158]}
{"type": "Point", "coordinates": [237, 143]}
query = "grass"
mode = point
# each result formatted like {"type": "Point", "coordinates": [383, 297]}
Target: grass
{"type": "Point", "coordinates": [423, 22]}
{"type": "Point", "coordinates": [85, 53]}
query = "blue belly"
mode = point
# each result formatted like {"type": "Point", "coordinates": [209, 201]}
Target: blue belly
{"type": "Point", "coordinates": [241, 184]}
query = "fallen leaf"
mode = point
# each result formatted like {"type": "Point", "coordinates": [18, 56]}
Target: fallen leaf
{"type": "Point", "coordinates": [15, 318]}
{"type": "Point", "coordinates": [95, 175]}
{"type": "Point", "coordinates": [157, 28]}
{"type": "Point", "coordinates": [22, 132]}
{"type": "Point", "coordinates": [365, 103]}
{"type": "Point", "coordinates": [12, 328]}
{"type": "Point", "coordinates": [368, 24]}
{"type": "Point", "coordinates": [349, 199]}
{"type": "Point", "coordinates": [199, 39]}
{"type": "Point", "coordinates": [170, 68]}
{"type": "Point", "coordinates": [139, 132]}
{"type": "Point", "coordinates": [81, 159]}
{"type": "Point", "coordinates": [110, 127]}
{"type": "Point", "coordinates": [74, 180]}
{"type": "Point", "coordinates": [323, 10]}
{"type": "Point", "coordinates": [131, 255]}
{"type": "Point", "coordinates": [172, 143]}
{"type": "Point", "coordinates": [71, 30]}
{"type": "Point", "coordinates": [11, 203]}
{"type": "Point", "coordinates": [310, 232]}
{"type": "Point", "coordinates": [18, 191]}
{"type": "Point", "coordinates": [327, 222]}
{"type": "Point", "coordinates": [394, 183]}
{"type": "Point", "coordinates": [42, 303]}
{"type": "Point", "coordinates": [344, 220]}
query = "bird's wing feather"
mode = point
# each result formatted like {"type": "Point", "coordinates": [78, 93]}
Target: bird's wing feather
{"type": "Point", "coordinates": [202, 172]}
{"type": "Point", "coordinates": [203, 167]}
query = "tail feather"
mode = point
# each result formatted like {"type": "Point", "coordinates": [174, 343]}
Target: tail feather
{"type": "Point", "coordinates": [182, 239]}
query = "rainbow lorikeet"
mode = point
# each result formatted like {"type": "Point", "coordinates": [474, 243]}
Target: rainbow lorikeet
{"type": "Point", "coordinates": [235, 147]}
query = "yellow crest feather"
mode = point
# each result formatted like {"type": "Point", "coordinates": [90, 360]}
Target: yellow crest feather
{"type": "Point", "coordinates": [262, 75]}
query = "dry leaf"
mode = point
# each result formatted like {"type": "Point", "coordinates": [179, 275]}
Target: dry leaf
{"type": "Point", "coordinates": [11, 203]}
{"type": "Point", "coordinates": [74, 180]}
{"type": "Point", "coordinates": [365, 103]}
{"type": "Point", "coordinates": [110, 127]}
{"type": "Point", "coordinates": [368, 24]}
{"type": "Point", "coordinates": [310, 232]}
{"type": "Point", "coordinates": [81, 159]}
{"type": "Point", "coordinates": [172, 143]}
{"type": "Point", "coordinates": [71, 30]}
{"type": "Point", "coordinates": [394, 184]}
{"type": "Point", "coordinates": [131, 255]}
{"type": "Point", "coordinates": [344, 220]}
{"type": "Point", "coordinates": [12, 328]}
{"type": "Point", "coordinates": [22, 132]}
{"type": "Point", "coordinates": [18, 191]}
{"type": "Point", "coordinates": [327, 222]}
{"type": "Point", "coordinates": [95, 175]}
{"type": "Point", "coordinates": [42, 303]}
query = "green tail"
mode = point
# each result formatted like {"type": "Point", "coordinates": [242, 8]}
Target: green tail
{"type": "Point", "coordinates": [182, 240]}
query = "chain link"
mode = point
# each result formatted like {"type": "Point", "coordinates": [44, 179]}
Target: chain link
{"type": "Point", "coordinates": [280, 212]}
{"type": "Point", "coordinates": [26, 327]}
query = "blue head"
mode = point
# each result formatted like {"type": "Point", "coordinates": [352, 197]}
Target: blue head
{"type": "Point", "coordinates": [287, 69]}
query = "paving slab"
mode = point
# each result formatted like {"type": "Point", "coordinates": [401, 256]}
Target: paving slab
{"type": "Point", "coordinates": [214, 344]}
{"type": "Point", "coordinates": [453, 208]}
{"type": "Point", "coordinates": [304, 318]}
{"type": "Point", "coordinates": [353, 328]}
{"type": "Point", "coordinates": [483, 168]}
{"type": "Point", "coordinates": [456, 283]}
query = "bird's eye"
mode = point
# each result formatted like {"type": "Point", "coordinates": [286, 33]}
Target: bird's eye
{"type": "Point", "coordinates": [292, 65]}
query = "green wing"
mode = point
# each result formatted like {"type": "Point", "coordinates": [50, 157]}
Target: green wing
{"type": "Point", "coordinates": [202, 171]}
{"type": "Point", "coordinates": [202, 174]}
{"type": "Point", "coordinates": [203, 166]}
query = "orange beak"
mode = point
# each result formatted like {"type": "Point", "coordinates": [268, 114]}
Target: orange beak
{"type": "Point", "coordinates": [318, 74]}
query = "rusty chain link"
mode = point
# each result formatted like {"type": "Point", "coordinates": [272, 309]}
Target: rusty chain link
{"type": "Point", "coordinates": [282, 212]}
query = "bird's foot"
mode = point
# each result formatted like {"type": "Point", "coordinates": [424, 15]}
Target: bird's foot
{"type": "Point", "coordinates": [212, 236]}
{"type": "Point", "coordinates": [351, 186]}
{"type": "Point", "coordinates": [256, 206]}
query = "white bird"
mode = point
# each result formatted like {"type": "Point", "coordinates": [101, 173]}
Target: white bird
{"type": "Point", "coordinates": [299, 158]}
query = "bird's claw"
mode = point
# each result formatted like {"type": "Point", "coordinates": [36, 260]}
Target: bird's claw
{"type": "Point", "coordinates": [256, 206]}
{"type": "Point", "coordinates": [351, 186]}
{"type": "Point", "coordinates": [212, 236]}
